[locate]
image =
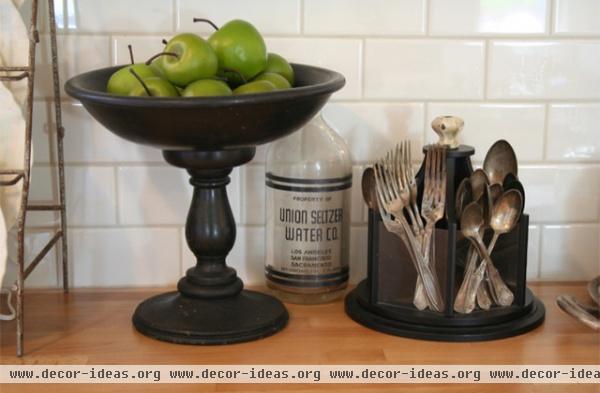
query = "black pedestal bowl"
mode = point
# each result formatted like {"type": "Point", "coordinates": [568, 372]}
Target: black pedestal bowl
{"type": "Point", "coordinates": [208, 136]}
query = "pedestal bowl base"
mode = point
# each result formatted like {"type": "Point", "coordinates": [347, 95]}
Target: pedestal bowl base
{"type": "Point", "coordinates": [179, 319]}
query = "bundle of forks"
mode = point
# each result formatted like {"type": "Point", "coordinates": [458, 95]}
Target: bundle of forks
{"type": "Point", "coordinates": [397, 202]}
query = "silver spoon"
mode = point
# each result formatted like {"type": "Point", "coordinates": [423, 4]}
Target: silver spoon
{"type": "Point", "coordinates": [368, 188]}
{"type": "Point", "coordinates": [505, 215]}
{"type": "Point", "coordinates": [464, 196]}
{"type": "Point", "coordinates": [499, 161]}
{"type": "Point", "coordinates": [486, 203]}
{"type": "Point", "coordinates": [496, 191]}
{"type": "Point", "coordinates": [478, 181]}
{"type": "Point", "coordinates": [483, 299]}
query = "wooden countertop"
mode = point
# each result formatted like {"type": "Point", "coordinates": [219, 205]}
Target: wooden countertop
{"type": "Point", "coordinates": [94, 327]}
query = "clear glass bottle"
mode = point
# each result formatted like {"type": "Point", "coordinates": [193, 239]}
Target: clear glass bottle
{"type": "Point", "coordinates": [308, 180]}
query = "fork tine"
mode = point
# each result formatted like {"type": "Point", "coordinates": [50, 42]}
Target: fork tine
{"type": "Point", "coordinates": [379, 184]}
{"type": "Point", "coordinates": [398, 163]}
{"type": "Point", "coordinates": [385, 189]}
{"type": "Point", "coordinates": [407, 161]}
{"type": "Point", "coordinates": [388, 176]}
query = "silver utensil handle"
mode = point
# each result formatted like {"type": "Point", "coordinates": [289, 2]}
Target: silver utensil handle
{"type": "Point", "coordinates": [571, 306]}
{"type": "Point", "coordinates": [459, 301]}
{"type": "Point", "coordinates": [432, 289]}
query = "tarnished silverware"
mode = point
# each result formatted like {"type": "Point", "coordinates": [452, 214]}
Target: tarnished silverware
{"type": "Point", "coordinates": [392, 200]}
{"type": "Point", "coordinates": [433, 205]}
{"type": "Point", "coordinates": [368, 188]}
{"type": "Point", "coordinates": [582, 313]}
{"type": "Point", "coordinates": [464, 196]}
{"type": "Point", "coordinates": [505, 215]}
{"type": "Point", "coordinates": [478, 181]}
{"type": "Point", "coordinates": [499, 161]}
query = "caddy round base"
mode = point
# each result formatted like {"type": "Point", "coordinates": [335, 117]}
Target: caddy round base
{"type": "Point", "coordinates": [356, 308]}
{"type": "Point", "coordinates": [180, 319]}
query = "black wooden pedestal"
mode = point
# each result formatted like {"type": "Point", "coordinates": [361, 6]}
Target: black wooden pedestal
{"type": "Point", "coordinates": [210, 306]}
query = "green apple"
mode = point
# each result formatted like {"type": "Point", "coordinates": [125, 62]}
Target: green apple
{"type": "Point", "coordinates": [240, 47]}
{"type": "Point", "coordinates": [233, 78]}
{"type": "Point", "coordinates": [279, 65]}
{"type": "Point", "coordinates": [255, 87]}
{"type": "Point", "coordinates": [206, 88]}
{"type": "Point", "coordinates": [279, 81]}
{"type": "Point", "coordinates": [158, 87]}
{"type": "Point", "coordinates": [195, 59]}
{"type": "Point", "coordinates": [122, 81]}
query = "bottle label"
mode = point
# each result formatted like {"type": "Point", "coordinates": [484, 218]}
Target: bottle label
{"type": "Point", "coordinates": [307, 231]}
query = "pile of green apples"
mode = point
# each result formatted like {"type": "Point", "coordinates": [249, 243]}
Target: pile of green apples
{"type": "Point", "coordinates": [234, 60]}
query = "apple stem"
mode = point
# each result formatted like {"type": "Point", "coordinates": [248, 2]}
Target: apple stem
{"type": "Point", "coordinates": [141, 81]}
{"type": "Point", "coordinates": [165, 42]}
{"type": "Point", "coordinates": [236, 72]}
{"type": "Point", "coordinates": [161, 54]}
{"type": "Point", "coordinates": [210, 22]}
{"type": "Point", "coordinates": [130, 53]}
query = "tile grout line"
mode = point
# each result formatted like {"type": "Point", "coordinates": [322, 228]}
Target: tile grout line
{"type": "Point", "coordinates": [45, 228]}
{"type": "Point", "coordinates": [301, 18]}
{"type": "Point", "coordinates": [561, 37]}
{"type": "Point", "coordinates": [362, 67]}
{"type": "Point", "coordinates": [486, 68]}
{"type": "Point", "coordinates": [550, 17]}
{"type": "Point", "coordinates": [175, 19]}
{"type": "Point", "coordinates": [545, 133]}
{"type": "Point", "coordinates": [427, 17]}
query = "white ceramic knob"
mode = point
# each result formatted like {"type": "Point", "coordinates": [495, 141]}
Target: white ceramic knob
{"type": "Point", "coordinates": [447, 128]}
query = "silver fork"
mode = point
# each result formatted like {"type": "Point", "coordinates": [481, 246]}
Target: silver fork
{"type": "Point", "coordinates": [388, 198]}
{"type": "Point", "coordinates": [409, 178]}
{"type": "Point", "coordinates": [433, 206]}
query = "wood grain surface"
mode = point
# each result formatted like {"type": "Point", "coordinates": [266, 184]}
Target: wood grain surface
{"type": "Point", "coordinates": [93, 327]}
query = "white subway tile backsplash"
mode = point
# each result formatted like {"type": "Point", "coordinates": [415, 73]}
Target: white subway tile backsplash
{"type": "Point", "coordinates": [357, 17]}
{"type": "Point", "coordinates": [143, 47]}
{"type": "Point", "coordinates": [570, 252]}
{"type": "Point", "coordinates": [342, 55]}
{"type": "Point", "coordinates": [576, 17]}
{"type": "Point", "coordinates": [76, 54]}
{"type": "Point", "coordinates": [90, 195]}
{"type": "Point", "coordinates": [114, 257]}
{"type": "Point", "coordinates": [573, 132]}
{"type": "Point", "coordinates": [484, 17]}
{"type": "Point", "coordinates": [522, 125]}
{"type": "Point", "coordinates": [157, 195]}
{"type": "Point", "coordinates": [269, 17]}
{"type": "Point", "coordinates": [92, 16]}
{"type": "Point", "coordinates": [524, 71]}
{"type": "Point", "coordinates": [371, 129]}
{"type": "Point", "coordinates": [86, 140]}
{"type": "Point", "coordinates": [153, 195]}
{"type": "Point", "coordinates": [561, 194]}
{"type": "Point", "coordinates": [424, 69]}
{"type": "Point", "coordinates": [253, 191]}
{"type": "Point", "coordinates": [544, 69]}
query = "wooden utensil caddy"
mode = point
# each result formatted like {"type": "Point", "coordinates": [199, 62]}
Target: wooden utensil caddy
{"type": "Point", "coordinates": [384, 300]}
